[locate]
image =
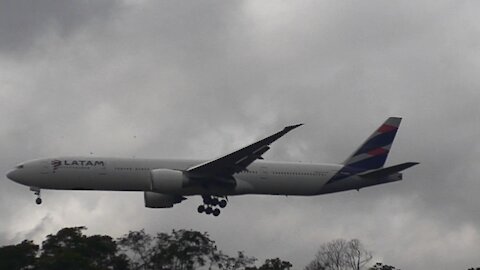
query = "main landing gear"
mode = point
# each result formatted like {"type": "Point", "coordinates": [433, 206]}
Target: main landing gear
{"type": "Point", "coordinates": [210, 205]}
{"type": "Point", "coordinates": [36, 191]}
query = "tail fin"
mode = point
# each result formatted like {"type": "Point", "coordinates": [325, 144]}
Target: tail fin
{"type": "Point", "coordinates": [373, 153]}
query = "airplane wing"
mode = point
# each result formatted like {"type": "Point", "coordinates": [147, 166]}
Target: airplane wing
{"type": "Point", "coordinates": [239, 160]}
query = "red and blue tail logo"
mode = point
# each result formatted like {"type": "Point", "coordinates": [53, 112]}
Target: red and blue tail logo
{"type": "Point", "coordinates": [373, 153]}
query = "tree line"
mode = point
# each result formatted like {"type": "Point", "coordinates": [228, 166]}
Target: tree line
{"type": "Point", "coordinates": [71, 249]}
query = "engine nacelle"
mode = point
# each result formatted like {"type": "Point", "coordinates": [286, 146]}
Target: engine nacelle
{"type": "Point", "coordinates": [158, 200]}
{"type": "Point", "coordinates": [167, 181]}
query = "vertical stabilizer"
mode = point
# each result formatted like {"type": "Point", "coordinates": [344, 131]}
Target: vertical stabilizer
{"type": "Point", "coordinates": [373, 153]}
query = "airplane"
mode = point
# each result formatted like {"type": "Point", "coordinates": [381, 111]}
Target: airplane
{"type": "Point", "coordinates": [166, 182]}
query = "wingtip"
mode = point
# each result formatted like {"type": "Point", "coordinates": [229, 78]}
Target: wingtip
{"type": "Point", "coordinates": [293, 126]}
{"type": "Point", "coordinates": [395, 118]}
{"type": "Point", "coordinates": [411, 164]}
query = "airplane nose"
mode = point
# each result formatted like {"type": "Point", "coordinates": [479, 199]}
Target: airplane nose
{"type": "Point", "coordinates": [13, 175]}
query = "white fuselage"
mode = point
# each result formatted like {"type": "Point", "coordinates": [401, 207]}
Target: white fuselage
{"type": "Point", "coordinates": [166, 182]}
{"type": "Point", "coordinates": [132, 174]}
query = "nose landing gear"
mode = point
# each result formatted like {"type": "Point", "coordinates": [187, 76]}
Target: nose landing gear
{"type": "Point", "coordinates": [210, 203]}
{"type": "Point", "coordinates": [36, 191]}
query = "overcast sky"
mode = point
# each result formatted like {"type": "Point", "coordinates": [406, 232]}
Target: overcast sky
{"type": "Point", "coordinates": [197, 79]}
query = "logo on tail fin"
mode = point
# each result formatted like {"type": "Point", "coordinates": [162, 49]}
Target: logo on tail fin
{"type": "Point", "coordinates": [373, 153]}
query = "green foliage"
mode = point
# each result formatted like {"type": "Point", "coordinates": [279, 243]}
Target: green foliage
{"type": "Point", "coordinates": [182, 250]}
{"type": "Point", "coordinates": [275, 264]}
{"type": "Point", "coordinates": [70, 249]}
{"type": "Point", "coordinates": [380, 266]}
{"type": "Point", "coordinates": [21, 256]}
{"type": "Point", "coordinates": [241, 261]}
{"type": "Point", "coordinates": [139, 245]}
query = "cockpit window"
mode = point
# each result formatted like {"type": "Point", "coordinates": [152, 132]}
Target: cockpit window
{"type": "Point", "coordinates": [19, 166]}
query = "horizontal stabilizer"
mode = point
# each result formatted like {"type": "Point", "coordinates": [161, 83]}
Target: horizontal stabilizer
{"type": "Point", "coordinates": [389, 170]}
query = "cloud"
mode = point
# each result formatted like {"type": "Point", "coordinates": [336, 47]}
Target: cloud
{"type": "Point", "coordinates": [199, 79]}
{"type": "Point", "coordinates": [23, 24]}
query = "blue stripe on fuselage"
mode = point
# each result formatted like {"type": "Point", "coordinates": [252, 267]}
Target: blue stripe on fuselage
{"type": "Point", "coordinates": [344, 172]}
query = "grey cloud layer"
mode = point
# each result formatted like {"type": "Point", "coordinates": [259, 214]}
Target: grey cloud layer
{"type": "Point", "coordinates": [198, 79]}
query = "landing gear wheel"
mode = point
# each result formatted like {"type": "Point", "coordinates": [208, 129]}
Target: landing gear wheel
{"type": "Point", "coordinates": [207, 200]}
{"type": "Point", "coordinates": [222, 203]}
{"type": "Point", "coordinates": [36, 191]}
{"type": "Point", "coordinates": [212, 204]}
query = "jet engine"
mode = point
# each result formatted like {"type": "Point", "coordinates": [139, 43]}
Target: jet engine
{"type": "Point", "coordinates": [159, 200]}
{"type": "Point", "coordinates": [168, 181]}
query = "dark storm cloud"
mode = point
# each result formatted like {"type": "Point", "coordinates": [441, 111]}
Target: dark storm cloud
{"type": "Point", "coordinates": [199, 79]}
{"type": "Point", "coordinates": [22, 23]}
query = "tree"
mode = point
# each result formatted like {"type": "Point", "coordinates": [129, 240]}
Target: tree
{"type": "Point", "coordinates": [357, 256]}
{"type": "Point", "coordinates": [183, 249]}
{"type": "Point", "coordinates": [275, 264]}
{"type": "Point", "coordinates": [20, 256]}
{"type": "Point", "coordinates": [340, 254]}
{"type": "Point", "coordinates": [140, 246]}
{"type": "Point", "coordinates": [70, 249]}
{"type": "Point", "coordinates": [240, 261]}
{"type": "Point", "coordinates": [315, 265]}
{"type": "Point", "coordinates": [331, 256]}
{"type": "Point", "coordinates": [380, 266]}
